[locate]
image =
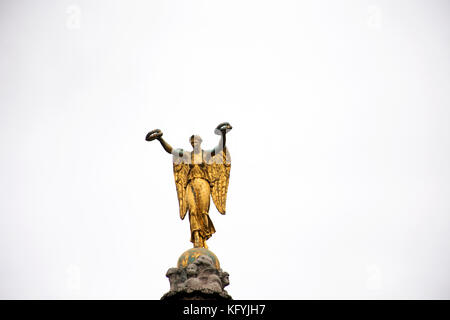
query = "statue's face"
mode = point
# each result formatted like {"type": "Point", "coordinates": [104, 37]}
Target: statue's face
{"type": "Point", "coordinates": [195, 141]}
{"type": "Point", "coordinates": [225, 279]}
{"type": "Point", "coordinates": [205, 260]}
{"type": "Point", "coordinates": [191, 269]}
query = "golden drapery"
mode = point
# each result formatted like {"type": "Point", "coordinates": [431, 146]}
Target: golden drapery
{"type": "Point", "coordinates": [197, 177]}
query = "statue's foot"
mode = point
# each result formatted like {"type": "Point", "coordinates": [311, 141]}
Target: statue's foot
{"type": "Point", "coordinates": [197, 240]}
{"type": "Point", "coordinates": [197, 245]}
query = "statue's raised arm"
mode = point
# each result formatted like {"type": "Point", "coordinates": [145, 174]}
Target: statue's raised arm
{"type": "Point", "coordinates": [157, 134]}
{"type": "Point", "coordinates": [222, 129]}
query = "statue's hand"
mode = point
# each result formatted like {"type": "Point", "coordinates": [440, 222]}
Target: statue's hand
{"type": "Point", "coordinates": [223, 128]}
{"type": "Point", "coordinates": [154, 134]}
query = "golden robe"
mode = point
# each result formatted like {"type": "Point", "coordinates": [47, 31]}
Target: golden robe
{"type": "Point", "coordinates": [199, 177]}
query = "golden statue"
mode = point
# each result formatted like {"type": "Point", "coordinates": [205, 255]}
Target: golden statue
{"type": "Point", "coordinates": [200, 174]}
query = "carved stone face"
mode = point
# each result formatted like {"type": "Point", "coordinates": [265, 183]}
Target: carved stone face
{"type": "Point", "coordinates": [191, 270]}
{"type": "Point", "coordinates": [203, 259]}
{"type": "Point", "coordinates": [195, 141]}
{"type": "Point", "coordinates": [225, 279]}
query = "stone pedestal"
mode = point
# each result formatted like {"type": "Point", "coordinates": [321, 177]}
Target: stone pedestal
{"type": "Point", "coordinates": [198, 276]}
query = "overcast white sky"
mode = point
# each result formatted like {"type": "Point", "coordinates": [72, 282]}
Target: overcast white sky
{"type": "Point", "coordinates": [340, 176]}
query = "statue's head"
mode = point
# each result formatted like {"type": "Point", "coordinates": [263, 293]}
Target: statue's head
{"type": "Point", "coordinates": [195, 141]}
{"type": "Point", "coordinates": [191, 270]}
{"type": "Point", "coordinates": [204, 260]}
{"type": "Point", "coordinates": [224, 277]}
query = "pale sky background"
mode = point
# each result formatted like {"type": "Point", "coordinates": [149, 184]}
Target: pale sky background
{"type": "Point", "coordinates": [340, 178]}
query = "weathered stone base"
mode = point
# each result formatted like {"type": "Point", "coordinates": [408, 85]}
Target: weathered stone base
{"type": "Point", "coordinates": [201, 279]}
{"type": "Point", "coordinates": [202, 294]}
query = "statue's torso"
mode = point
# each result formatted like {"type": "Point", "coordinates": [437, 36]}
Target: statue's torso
{"type": "Point", "coordinates": [197, 166]}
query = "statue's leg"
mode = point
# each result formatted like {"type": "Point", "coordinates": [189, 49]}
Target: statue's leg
{"type": "Point", "coordinates": [198, 198]}
{"type": "Point", "coordinates": [207, 227]}
{"type": "Point", "coordinates": [195, 226]}
{"type": "Point", "coordinates": [204, 245]}
{"type": "Point", "coordinates": [203, 202]}
{"type": "Point", "coordinates": [198, 243]}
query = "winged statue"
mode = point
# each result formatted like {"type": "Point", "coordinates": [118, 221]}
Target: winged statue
{"type": "Point", "coordinates": [200, 175]}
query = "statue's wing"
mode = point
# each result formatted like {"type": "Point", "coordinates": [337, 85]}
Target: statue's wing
{"type": "Point", "coordinates": [180, 172]}
{"type": "Point", "coordinates": [218, 168]}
